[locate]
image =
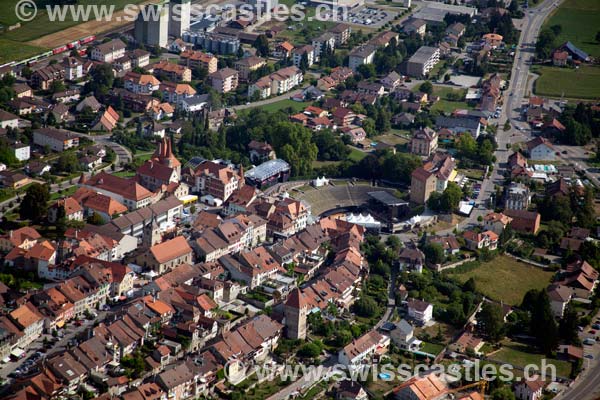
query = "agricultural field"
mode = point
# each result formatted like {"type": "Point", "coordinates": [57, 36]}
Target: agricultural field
{"type": "Point", "coordinates": [581, 83]}
{"type": "Point", "coordinates": [505, 279]}
{"type": "Point", "coordinates": [11, 50]}
{"type": "Point", "coordinates": [580, 20]}
{"type": "Point", "coordinates": [44, 33]}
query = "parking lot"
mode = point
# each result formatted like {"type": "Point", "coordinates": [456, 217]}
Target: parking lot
{"type": "Point", "coordinates": [369, 16]}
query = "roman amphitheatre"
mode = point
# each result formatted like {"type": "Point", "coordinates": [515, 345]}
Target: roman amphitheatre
{"type": "Point", "coordinates": [339, 194]}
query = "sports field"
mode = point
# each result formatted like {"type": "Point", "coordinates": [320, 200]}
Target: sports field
{"type": "Point", "coordinates": [506, 279]}
{"type": "Point", "coordinates": [581, 83]}
{"type": "Point", "coordinates": [580, 21]}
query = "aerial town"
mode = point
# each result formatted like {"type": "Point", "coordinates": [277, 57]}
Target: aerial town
{"type": "Point", "coordinates": [190, 199]}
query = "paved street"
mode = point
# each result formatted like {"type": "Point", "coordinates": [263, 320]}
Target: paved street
{"type": "Point", "coordinates": [38, 345]}
{"type": "Point", "coordinates": [587, 387]}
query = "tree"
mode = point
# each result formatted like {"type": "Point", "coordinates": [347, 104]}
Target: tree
{"type": "Point", "coordinates": [35, 203]}
{"type": "Point", "coordinates": [451, 197]}
{"type": "Point", "coordinates": [95, 219]}
{"type": "Point", "coordinates": [434, 253]}
{"type": "Point", "coordinates": [366, 306]}
{"type": "Point", "coordinates": [261, 44]}
{"type": "Point", "coordinates": [426, 87]}
{"type": "Point", "coordinates": [598, 36]}
{"type": "Point", "coordinates": [556, 29]}
{"type": "Point", "coordinates": [503, 393]}
{"type": "Point", "coordinates": [393, 242]}
{"type": "Point", "coordinates": [491, 320]}
{"type": "Point", "coordinates": [102, 80]}
{"type": "Point", "coordinates": [545, 44]}
{"type": "Point", "coordinates": [367, 70]}
{"type": "Point", "coordinates": [310, 350]}
{"type": "Point", "coordinates": [543, 326]}
{"type": "Point", "coordinates": [61, 221]}
{"type": "Point", "coordinates": [470, 285]}
{"type": "Point", "coordinates": [567, 326]}
{"type": "Point", "coordinates": [67, 162]}
{"type": "Point", "coordinates": [304, 62]}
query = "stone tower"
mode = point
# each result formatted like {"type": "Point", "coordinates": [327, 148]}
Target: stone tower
{"type": "Point", "coordinates": [296, 311]}
{"type": "Point", "coordinates": [164, 155]}
{"type": "Point", "coordinates": [151, 234]}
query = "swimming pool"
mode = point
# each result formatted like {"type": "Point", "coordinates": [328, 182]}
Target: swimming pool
{"type": "Point", "coordinates": [384, 375]}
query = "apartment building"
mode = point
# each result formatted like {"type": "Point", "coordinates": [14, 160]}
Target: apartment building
{"type": "Point", "coordinates": [360, 56]}
{"type": "Point", "coordinates": [423, 61]}
{"type": "Point", "coordinates": [56, 139]}
{"type": "Point", "coordinates": [109, 51]}
{"type": "Point", "coordinates": [224, 80]}
{"type": "Point", "coordinates": [197, 59]}
{"type": "Point", "coordinates": [277, 83]}
{"type": "Point", "coordinates": [172, 72]}
{"type": "Point", "coordinates": [217, 180]}
{"type": "Point", "coordinates": [249, 64]}
{"type": "Point", "coordinates": [141, 84]}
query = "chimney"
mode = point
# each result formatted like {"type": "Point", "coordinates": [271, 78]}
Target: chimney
{"type": "Point", "coordinates": [10, 234]}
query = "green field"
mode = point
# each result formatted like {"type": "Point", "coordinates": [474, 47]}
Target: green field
{"type": "Point", "coordinates": [580, 21]}
{"type": "Point", "coordinates": [506, 279]}
{"type": "Point", "coordinates": [394, 137]}
{"type": "Point", "coordinates": [446, 105]}
{"type": "Point", "coordinates": [521, 355]}
{"type": "Point", "coordinates": [432, 348]}
{"type": "Point", "coordinates": [582, 83]}
{"type": "Point", "coordinates": [356, 155]}
{"type": "Point", "coordinates": [296, 106]}
{"type": "Point", "coordinates": [11, 50]}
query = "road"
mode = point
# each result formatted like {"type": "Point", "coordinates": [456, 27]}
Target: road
{"type": "Point", "coordinates": [124, 156]}
{"type": "Point", "coordinates": [285, 96]}
{"type": "Point", "coordinates": [587, 387]}
{"type": "Point", "coordinates": [579, 158]}
{"type": "Point", "coordinates": [69, 333]}
{"type": "Point", "coordinates": [511, 109]}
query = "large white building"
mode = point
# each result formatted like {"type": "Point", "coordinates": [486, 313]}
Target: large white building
{"type": "Point", "coordinates": [361, 55]}
{"type": "Point", "coordinates": [277, 83]}
{"type": "Point", "coordinates": [356, 352]}
{"type": "Point", "coordinates": [109, 51]}
{"type": "Point", "coordinates": [57, 140]}
{"type": "Point", "coordinates": [8, 120]}
{"type": "Point", "coordinates": [22, 151]}
{"type": "Point", "coordinates": [422, 61]}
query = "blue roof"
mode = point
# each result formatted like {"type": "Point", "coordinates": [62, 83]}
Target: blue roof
{"type": "Point", "coordinates": [576, 51]}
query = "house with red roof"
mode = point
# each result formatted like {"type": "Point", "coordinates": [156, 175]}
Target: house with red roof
{"type": "Point", "coordinates": [530, 389]}
{"type": "Point", "coordinates": [73, 210]}
{"type": "Point", "coordinates": [167, 255]}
